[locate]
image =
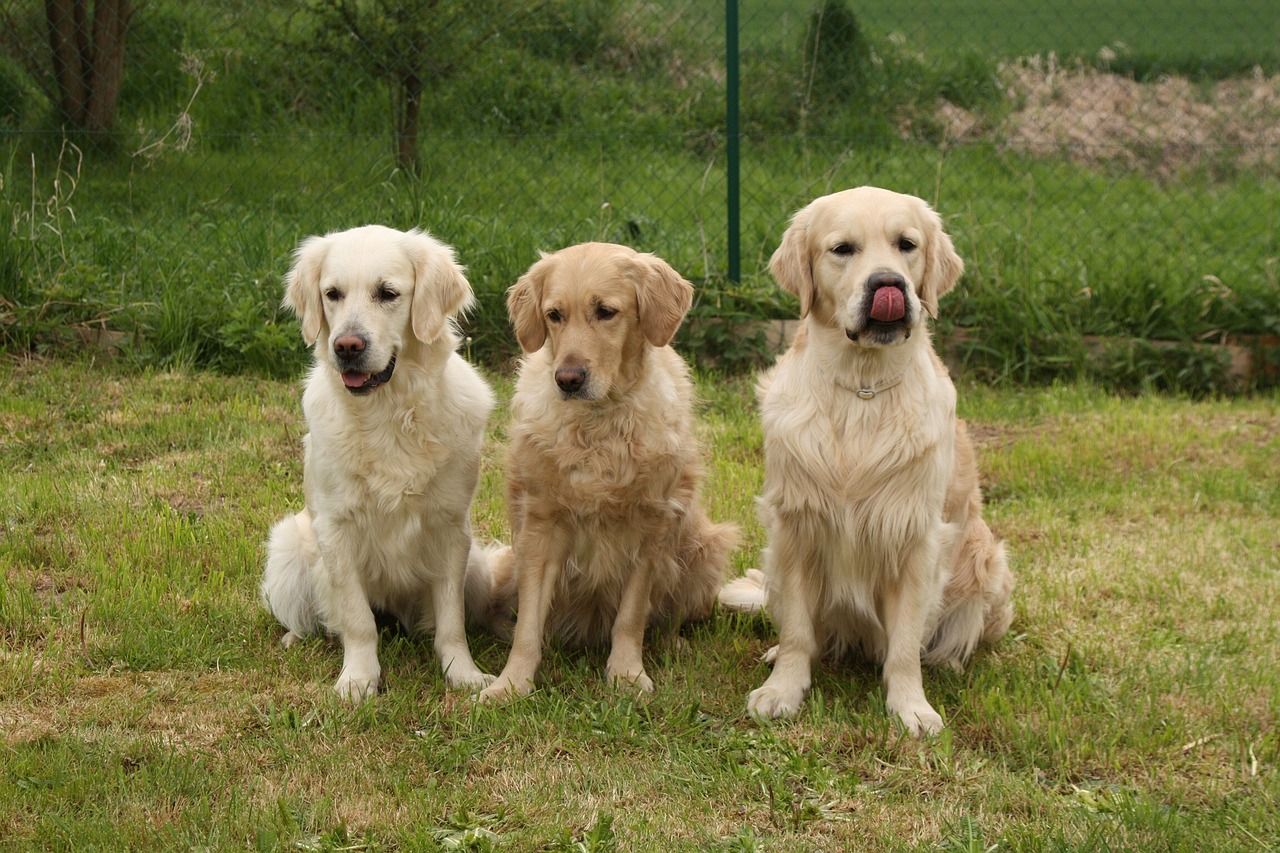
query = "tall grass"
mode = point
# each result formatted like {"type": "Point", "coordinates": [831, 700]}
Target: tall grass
{"type": "Point", "coordinates": [547, 139]}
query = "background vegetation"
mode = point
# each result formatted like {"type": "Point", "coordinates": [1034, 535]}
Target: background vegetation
{"type": "Point", "coordinates": [244, 127]}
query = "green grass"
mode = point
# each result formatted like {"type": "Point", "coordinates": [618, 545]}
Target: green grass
{"type": "Point", "coordinates": [188, 259]}
{"type": "Point", "coordinates": [146, 703]}
{"type": "Point", "coordinates": [1185, 36]}
{"type": "Point", "coordinates": [606, 122]}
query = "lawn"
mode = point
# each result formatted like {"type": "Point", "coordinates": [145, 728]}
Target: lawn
{"type": "Point", "coordinates": [146, 704]}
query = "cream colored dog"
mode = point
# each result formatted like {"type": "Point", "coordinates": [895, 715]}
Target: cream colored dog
{"type": "Point", "coordinates": [396, 420]}
{"type": "Point", "coordinates": [604, 467]}
{"type": "Point", "coordinates": [871, 500]}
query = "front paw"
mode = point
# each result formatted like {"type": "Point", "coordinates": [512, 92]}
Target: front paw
{"type": "Point", "coordinates": [638, 680]}
{"type": "Point", "coordinates": [467, 679]}
{"type": "Point", "coordinates": [771, 701]}
{"type": "Point", "coordinates": [504, 689]}
{"type": "Point", "coordinates": [919, 718]}
{"type": "Point", "coordinates": [356, 687]}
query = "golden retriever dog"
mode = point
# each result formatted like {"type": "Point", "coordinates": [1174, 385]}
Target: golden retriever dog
{"type": "Point", "coordinates": [396, 419]}
{"type": "Point", "coordinates": [608, 536]}
{"type": "Point", "coordinates": [871, 501]}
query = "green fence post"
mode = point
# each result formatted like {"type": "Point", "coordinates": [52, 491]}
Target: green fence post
{"type": "Point", "coordinates": [731, 136]}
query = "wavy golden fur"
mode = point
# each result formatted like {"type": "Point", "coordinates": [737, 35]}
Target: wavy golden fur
{"type": "Point", "coordinates": [608, 536]}
{"type": "Point", "coordinates": [871, 499]}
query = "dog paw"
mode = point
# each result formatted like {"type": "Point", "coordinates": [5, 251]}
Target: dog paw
{"type": "Point", "coordinates": [289, 638]}
{"type": "Point", "coordinates": [471, 680]}
{"type": "Point", "coordinates": [356, 688]}
{"type": "Point", "coordinates": [920, 719]}
{"type": "Point", "coordinates": [770, 702]}
{"type": "Point", "coordinates": [503, 689]}
{"type": "Point", "coordinates": [636, 680]}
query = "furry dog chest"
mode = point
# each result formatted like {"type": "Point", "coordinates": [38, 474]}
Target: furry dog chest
{"type": "Point", "coordinates": [873, 478]}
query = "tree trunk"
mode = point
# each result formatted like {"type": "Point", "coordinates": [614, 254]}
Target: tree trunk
{"type": "Point", "coordinates": [411, 88]}
{"type": "Point", "coordinates": [110, 18]}
{"type": "Point", "coordinates": [88, 59]}
{"type": "Point", "coordinates": [67, 39]}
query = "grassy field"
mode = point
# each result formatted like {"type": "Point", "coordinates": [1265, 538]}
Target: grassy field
{"type": "Point", "coordinates": [146, 704]}
{"type": "Point", "coordinates": [1183, 36]}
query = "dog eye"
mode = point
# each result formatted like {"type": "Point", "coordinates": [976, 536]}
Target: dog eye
{"type": "Point", "coordinates": [604, 312]}
{"type": "Point", "coordinates": [844, 249]}
{"type": "Point", "coordinates": [386, 294]}
{"type": "Point", "coordinates": [906, 244]}
{"type": "Point", "coordinates": [333, 294]}
{"type": "Point", "coordinates": [554, 316]}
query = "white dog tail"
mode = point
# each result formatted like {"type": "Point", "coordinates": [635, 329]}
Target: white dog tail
{"type": "Point", "coordinates": [490, 589]}
{"type": "Point", "coordinates": [286, 583]}
{"type": "Point", "coordinates": [747, 594]}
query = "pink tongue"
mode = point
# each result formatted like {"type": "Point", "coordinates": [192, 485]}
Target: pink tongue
{"type": "Point", "coordinates": [888, 305]}
{"type": "Point", "coordinates": [356, 380]}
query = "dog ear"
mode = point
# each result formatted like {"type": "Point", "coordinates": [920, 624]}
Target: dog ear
{"type": "Point", "coordinates": [942, 266]}
{"type": "Point", "coordinates": [440, 290]}
{"type": "Point", "coordinates": [790, 264]}
{"type": "Point", "coordinates": [302, 287]}
{"type": "Point", "coordinates": [524, 305]}
{"type": "Point", "coordinates": [663, 297]}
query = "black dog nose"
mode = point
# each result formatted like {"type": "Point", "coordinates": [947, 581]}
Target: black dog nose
{"type": "Point", "coordinates": [349, 346]}
{"type": "Point", "coordinates": [885, 279]}
{"type": "Point", "coordinates": [571, 379]}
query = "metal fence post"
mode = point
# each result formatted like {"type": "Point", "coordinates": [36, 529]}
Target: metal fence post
{"type": "Point", "coordinates": [731, 138]}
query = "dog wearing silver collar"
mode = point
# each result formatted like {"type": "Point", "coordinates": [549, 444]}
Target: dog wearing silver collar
{"type": "Point", "coordinates": [877, 543]}
{"type": "Point", "coordinates": [396, 420]}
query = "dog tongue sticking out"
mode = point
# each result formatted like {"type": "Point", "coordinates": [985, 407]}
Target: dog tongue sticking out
{"type": "Point", "coordinates": [354, 380]}
{"type": "Point", "coordinates": [888, 305]}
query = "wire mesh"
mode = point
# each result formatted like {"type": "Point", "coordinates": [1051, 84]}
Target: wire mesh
{"type": "Point", "coordinates": [1107, 169]}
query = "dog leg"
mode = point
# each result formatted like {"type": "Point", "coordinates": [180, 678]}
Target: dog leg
{"type": "Point", "coordinates": [349, 616]}
{"type": "Point", "coordinates": [448, 603]}
{"type": "Point", "coordinates": [626, 655]}
{"type": "Point", "coordinates": [793, 605]}
{"type": "Point", "coordinates": [356, 627]}
{"type": "Point", "coordinates": [906, 608]}
{"type": "Point", "coordinates": [537, 571]}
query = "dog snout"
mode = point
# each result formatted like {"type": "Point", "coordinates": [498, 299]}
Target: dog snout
{"type": "Point", "coordinates": [886, 279]}
{"type": "Point", "coordinates": [571, 378]}
{"type": "Point", "coordinates": [886, 297]}
{"type": "Point", "coordinates": [350, 346]}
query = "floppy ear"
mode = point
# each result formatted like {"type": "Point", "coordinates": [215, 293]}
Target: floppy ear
{"type": "Point", "coordinates": [524, 305]}
{"type": "Point", "coordinates": [302, 287]}
{"type": "Point", "coordinates": [942, 266]}
{"type": "Point", "coordinates": [440, 287]}
{"type": "Point", "coordinates": [790, 263]}
{"type": "Point", "coordinates": [663, 298]}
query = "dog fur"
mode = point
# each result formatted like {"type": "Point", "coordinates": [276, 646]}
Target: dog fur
{"type": "Point", "coordinates": [603, 471]}
{"type": "Point", "coordinates": [396, 419]}
{"type": "Point", "coordinates": [871, 499]}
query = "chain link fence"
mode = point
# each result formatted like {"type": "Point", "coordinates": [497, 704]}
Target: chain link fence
{"type": "Point", "coordinates": [1108, 170]}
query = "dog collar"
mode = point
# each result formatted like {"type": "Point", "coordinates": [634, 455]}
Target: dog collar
{"type": "Point", "coordinates": [867, 392]}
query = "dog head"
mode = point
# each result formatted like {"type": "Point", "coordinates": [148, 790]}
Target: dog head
{"type": "Point", "coordinates": [369, 293]}
{"type": "Point", "coordinates": [867, 261]}
{"type": "Point", "coordinates": [597, 305]}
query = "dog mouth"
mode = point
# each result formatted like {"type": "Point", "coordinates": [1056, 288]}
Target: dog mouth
{"type": "Point", "coordinates": [363, 383]}
{"type": "Point", "coordinates": [886, 313]}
